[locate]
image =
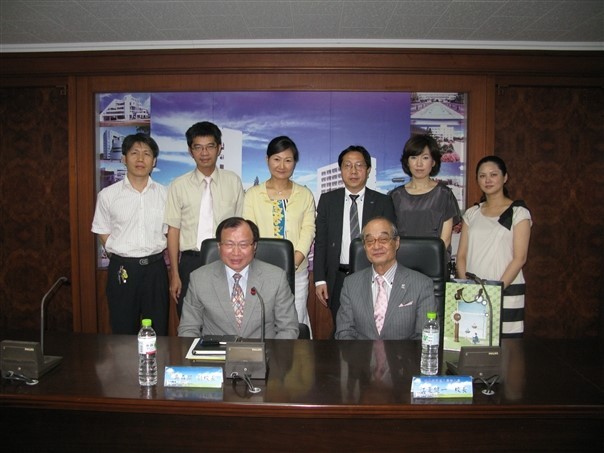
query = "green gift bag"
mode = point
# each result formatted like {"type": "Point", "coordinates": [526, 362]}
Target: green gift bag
{"type": "Point", "coordinates": [472, 314]}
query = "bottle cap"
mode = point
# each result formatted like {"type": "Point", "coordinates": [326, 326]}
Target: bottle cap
{"type": "Point", "coordinates": [146, 322]}
{"type": "Point", "coordinates": [431, 315]}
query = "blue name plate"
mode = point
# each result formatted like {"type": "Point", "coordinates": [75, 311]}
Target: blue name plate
{"type": "Point", "coordinates": [441, 387]}
{"type": "Point", "coordinates": [193, 376]}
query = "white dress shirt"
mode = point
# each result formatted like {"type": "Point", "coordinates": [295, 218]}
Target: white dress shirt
{"type": "Point", "coordinates": [345, 251]}
{"type": "Point", "coordinates": [132, 219]}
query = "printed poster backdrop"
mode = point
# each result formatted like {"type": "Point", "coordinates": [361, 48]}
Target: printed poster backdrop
{"type": "Point", "coordinates": [322, 124]}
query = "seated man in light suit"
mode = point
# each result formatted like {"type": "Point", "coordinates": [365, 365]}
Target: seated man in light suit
{"type": "Point", "coordinates": [219, 300]}
{"type": "Point", "coordinates": [386, 301]}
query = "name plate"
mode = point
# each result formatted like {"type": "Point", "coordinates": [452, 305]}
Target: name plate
{"type": "Point", "coordinates": [193, 376]}
{"type": "Point", "coordinates": [441, 387]}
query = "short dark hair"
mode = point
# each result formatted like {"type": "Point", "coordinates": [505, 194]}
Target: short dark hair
{"type": "Point", "coordinates": [203, 129]}
{"type": "Point", "coordinates": [130, 140]}
{"type": "Point", "coordinates": [234, 222]}
{"type": "Point", "coordinates": [415, 146]}
{"type": "Point", "coordinates": [280, 144]}
{"type": "Point", "coordinates": [358, 149]}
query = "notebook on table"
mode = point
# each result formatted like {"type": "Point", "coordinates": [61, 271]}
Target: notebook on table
{"type": "Point", "coordinates": [210, 347]}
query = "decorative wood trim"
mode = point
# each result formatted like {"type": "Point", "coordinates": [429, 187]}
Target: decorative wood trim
{"type": "Point", "coordinates": [410, 61]}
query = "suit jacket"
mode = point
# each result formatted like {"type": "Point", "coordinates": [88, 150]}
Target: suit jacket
{"type": "Point", "coordinates": [411, 298]}
{"type": "Point", "coordinates": [208, 310]}
{"type": "Point", "coordinates": [329, 224]}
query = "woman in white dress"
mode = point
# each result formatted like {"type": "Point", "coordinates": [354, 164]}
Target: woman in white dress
{"type": "Point", "coordinates": [494, 241]}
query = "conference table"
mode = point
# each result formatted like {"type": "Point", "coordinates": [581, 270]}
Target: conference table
{"type": "Point", "coordinates": [320, 395]}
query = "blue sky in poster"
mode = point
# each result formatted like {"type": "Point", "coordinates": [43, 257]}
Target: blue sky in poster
{"type": "Point", "coordinates": [321, 124]}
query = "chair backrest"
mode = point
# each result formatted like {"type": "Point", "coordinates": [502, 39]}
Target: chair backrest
{"type": "Point", "coordinates": [422, 254]}
{"type": "Point", "coordinates": [278, 252]}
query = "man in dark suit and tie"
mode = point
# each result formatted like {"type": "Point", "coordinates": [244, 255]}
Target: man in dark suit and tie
{"type": "Point", "coordinates": [385, 301]}
{"type": "Point", "coordinates": [341, 214]}
{"type": "Point", "coordinates": [219, 299]}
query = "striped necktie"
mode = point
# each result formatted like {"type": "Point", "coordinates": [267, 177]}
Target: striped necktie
{"type": "Point", "coordinates": [355, 232]}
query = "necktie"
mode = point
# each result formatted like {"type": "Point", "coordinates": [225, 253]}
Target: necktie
{"type": "Point", "coordinates": [354, 218]}
{"type": "Point", "coordinates": [380, 361]}
{"type": "Point", "coordinates": [238, 299]}
{"type": "Point", "coordinates": [206, 215]}
{"type": "Point", "coordinates": [381, 303]}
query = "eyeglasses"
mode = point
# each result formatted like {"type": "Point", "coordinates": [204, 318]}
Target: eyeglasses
{"type": "Point", "coordinates": [243, 245]}
{"type": "Point", "coordinates": [382, 240]}
{"type": "Point", "coordinates": [210, 148]}
{"type": "Point", "coordinates": [358, 166]}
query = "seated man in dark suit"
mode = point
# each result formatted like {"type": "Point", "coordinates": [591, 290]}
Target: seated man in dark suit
{"type": "Point", "coordinates": [386, 301]}
{"type": "Point", "coordinates": [219, 300]}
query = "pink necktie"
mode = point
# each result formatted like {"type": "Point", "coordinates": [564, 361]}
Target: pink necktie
{"type": "Point", "coordinates": [206, 215]}
{"type": "Point", "coordinates": [381, 303]}
{"type": "Point", "coordinates": [380, 360]}
{"type": "Point", "coordinates": [238, 299]}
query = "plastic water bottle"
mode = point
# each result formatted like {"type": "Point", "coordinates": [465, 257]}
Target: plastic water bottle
{"type": "Point", "coordinates": [147, 350]}
{"type": "Point", "coordinates": [430, 340]}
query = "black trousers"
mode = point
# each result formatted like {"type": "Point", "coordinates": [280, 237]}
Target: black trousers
{"type": "Point", "coordinates": [144, 293]}
{"type": "Point", "coordinates": [188, 263]}
{"type": "Point", "coordinates": [334, 297]}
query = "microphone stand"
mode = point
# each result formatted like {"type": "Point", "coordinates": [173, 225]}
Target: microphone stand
{"type": "Point", "coordinates": [248, 365]}
{"type": "Point", "coordinates": [490, 382]}
{"type": "Point", "coordinates": [255, 292]}
{"type": "Point", "coordinates": [480, 281]}
{"type": "Point", "coordinates": [50, 292]}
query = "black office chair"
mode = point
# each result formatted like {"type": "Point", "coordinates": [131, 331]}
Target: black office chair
{"type": "Point", "coordinates": [422, 254]}
{"type": "Point", "coordinates": [278, 252]}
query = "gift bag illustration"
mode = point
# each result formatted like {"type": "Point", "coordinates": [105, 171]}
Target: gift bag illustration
{"type": "Point", "coordinates": [472, 315]}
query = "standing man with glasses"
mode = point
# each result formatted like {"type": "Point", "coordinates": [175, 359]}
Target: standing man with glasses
{"type": "Point", "coordinates": [197, 202]}
{"type": "Point", "coordinates": [341, 214]}
{"type": "Point", "coordinates": [220, 300]}
{"type": "Point", "coordinates": [386, 301]}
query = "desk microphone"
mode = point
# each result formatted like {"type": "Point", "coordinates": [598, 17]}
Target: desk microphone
{"type": "Point", "coordinates": [480, 281]}
{"type": "Point", "coordinates": [25, 360]}
{"type": "Point", "coordinates": [472, 276]}
{"type": "Point", "coordinates": [247, 360]}
{"type": "Point", "coordinates": [50, 292]}
{"type": "Point", "coordinates": [493, 353]}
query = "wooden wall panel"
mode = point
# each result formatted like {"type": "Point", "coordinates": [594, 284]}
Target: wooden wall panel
{"type": "Point", "coordinates": [494, 121]}
{"type": "Point", "coordinates": [34, 207]}
{"type": "Point", "coordinates": [552, 139]}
